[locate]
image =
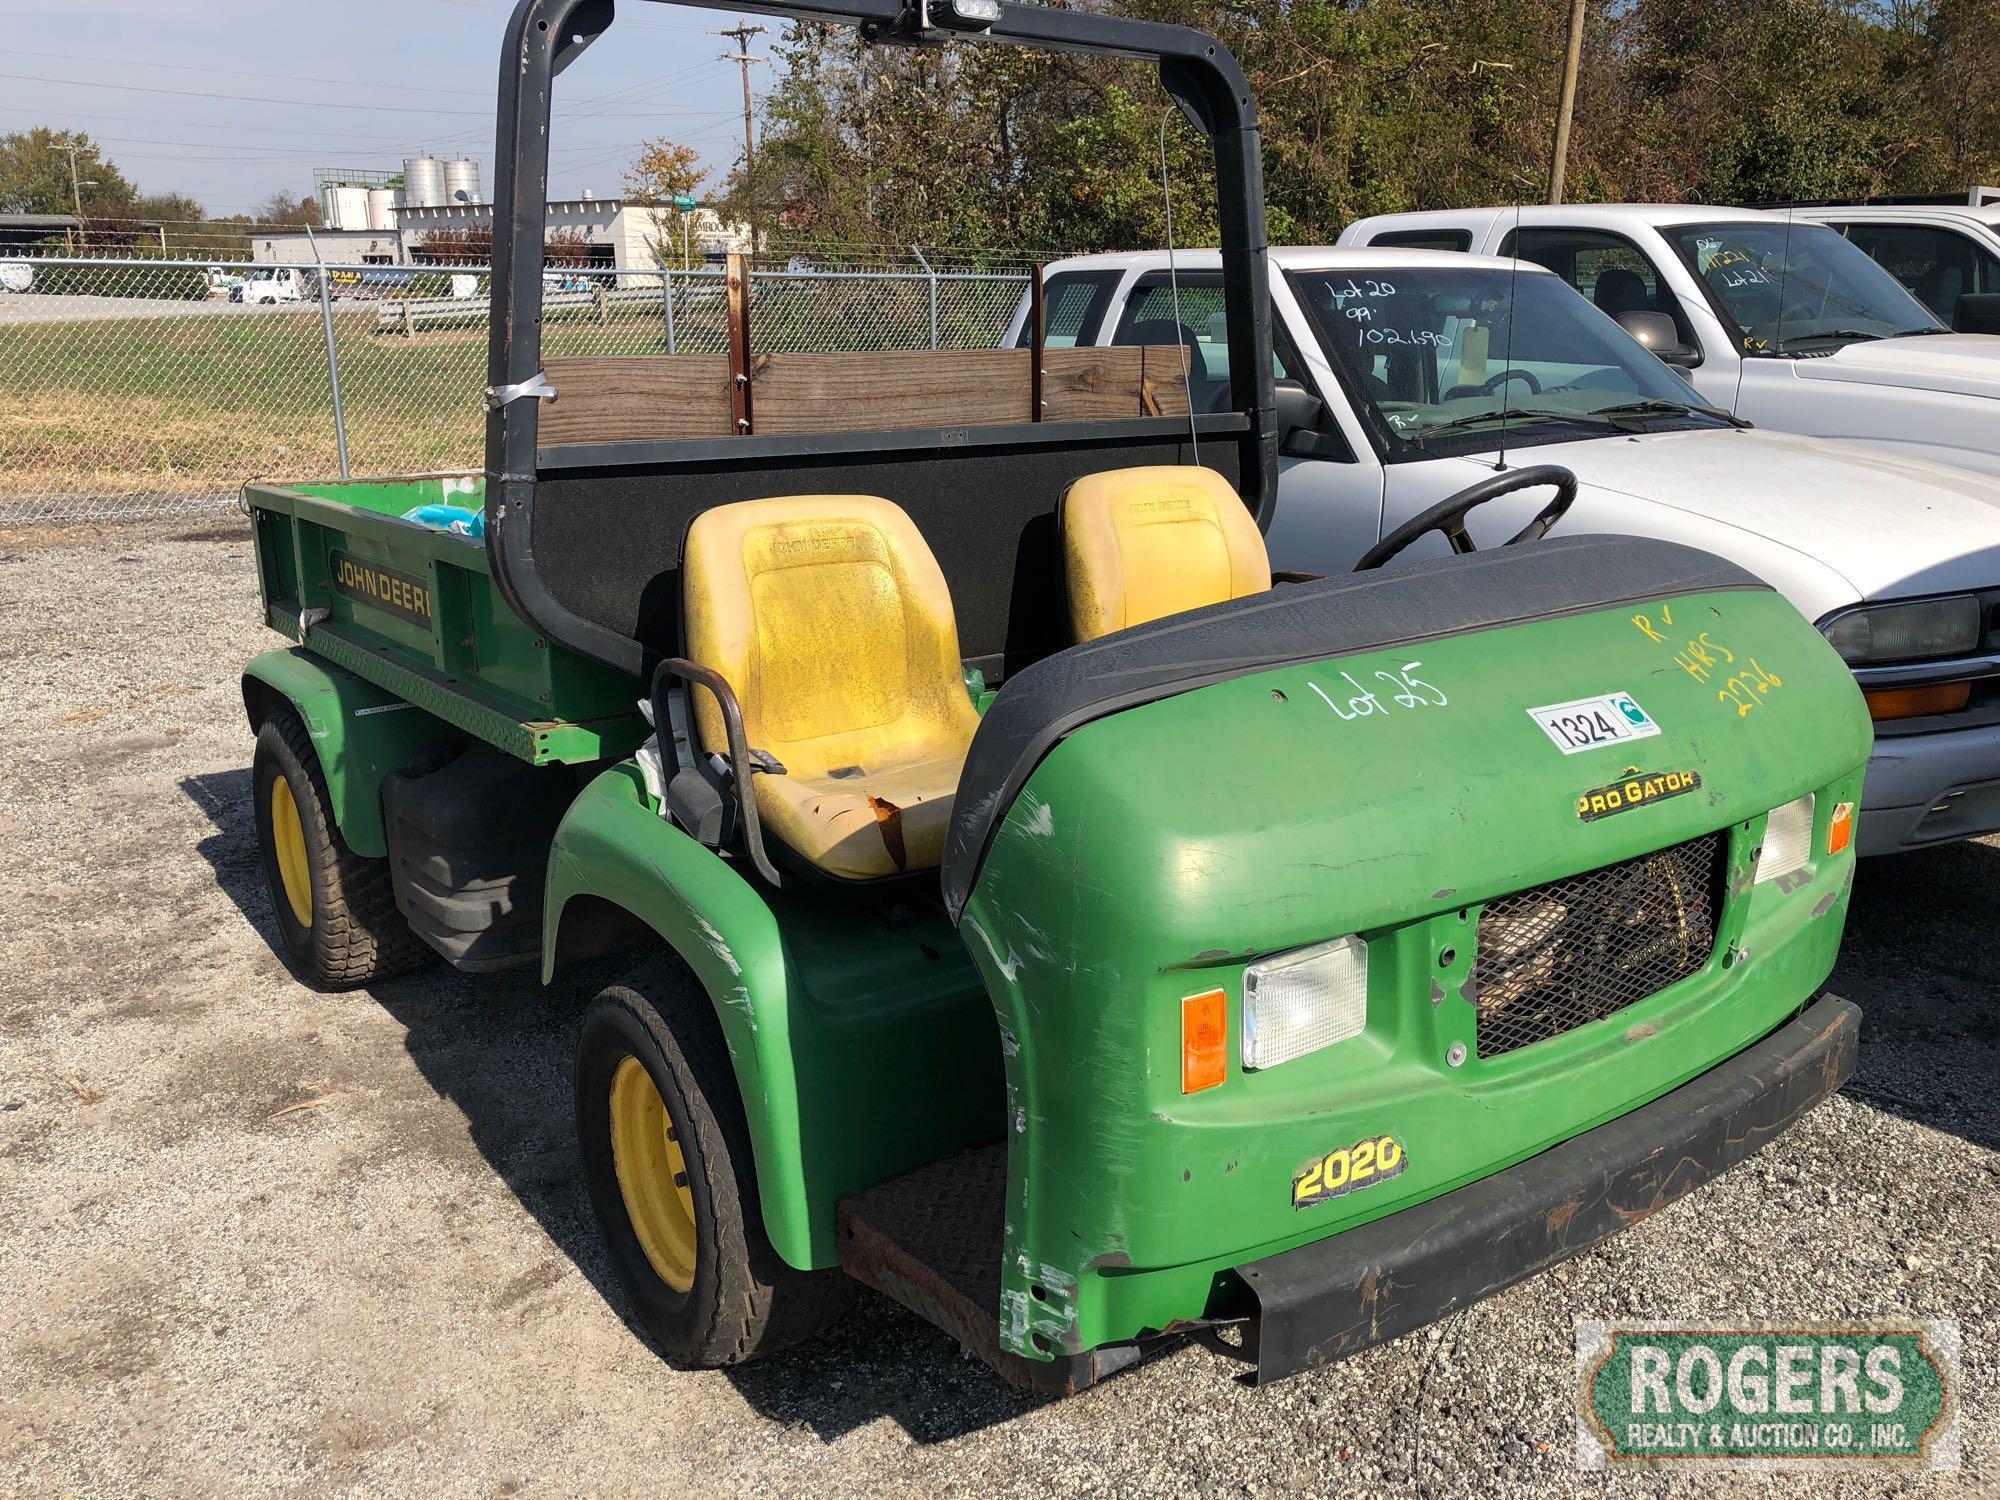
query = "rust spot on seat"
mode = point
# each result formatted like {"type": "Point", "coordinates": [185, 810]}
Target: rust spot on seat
{"type": "Point", "coordinates": [889, 818]}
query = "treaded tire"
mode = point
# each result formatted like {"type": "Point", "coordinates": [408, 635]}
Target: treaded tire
{"type": "Point", "coordinates": [745, 1301]}
{"type": "Point", "coordinates": [356, 935]}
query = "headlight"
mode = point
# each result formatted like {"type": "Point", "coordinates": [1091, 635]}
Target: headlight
{"type": "Point", "coordinates": [1304, 1000]}
{"type": "Point", "coordinates": [1906, 632]}
{"type": "Point", "coordinates": [1788, 839]}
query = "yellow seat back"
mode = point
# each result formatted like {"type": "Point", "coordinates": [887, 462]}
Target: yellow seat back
{"type": "Point", "coordinates": [831, 619]}
{"type": "Point", "coordinates": [1139, 544]}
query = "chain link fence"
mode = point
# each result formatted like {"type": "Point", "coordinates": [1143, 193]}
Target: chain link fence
{"type": "Point", "coordinates": [134, 388]}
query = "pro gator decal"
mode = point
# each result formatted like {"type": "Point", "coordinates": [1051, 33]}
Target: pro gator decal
{"type": "Point", "coordinates": [1635, 791]}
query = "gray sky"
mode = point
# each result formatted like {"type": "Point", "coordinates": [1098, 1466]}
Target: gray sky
{"type": "Point", "coordinates": [229, 102]}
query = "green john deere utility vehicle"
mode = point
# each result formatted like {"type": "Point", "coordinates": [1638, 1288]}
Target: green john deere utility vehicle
{"type": "Point", "coordinates": [1038, 913]}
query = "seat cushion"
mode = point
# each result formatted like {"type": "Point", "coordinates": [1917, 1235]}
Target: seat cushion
{"type": "Point", "coordinates": [832, 622]}
{"type": "Point", "coordinates": [881, 821]}
{"type": "Point", "coordinates": [1140, 544]}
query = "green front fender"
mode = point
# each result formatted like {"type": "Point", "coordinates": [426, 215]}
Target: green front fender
{"type": "Point", "coordinates": [611, 845]}
{"type": "Point", "coordinates": [360, 732]}
{"type": "Point", "coordinates": [862, 1039]}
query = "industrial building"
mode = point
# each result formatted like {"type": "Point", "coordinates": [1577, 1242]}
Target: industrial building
{"type": "Point", "coordinates": [374, 217]}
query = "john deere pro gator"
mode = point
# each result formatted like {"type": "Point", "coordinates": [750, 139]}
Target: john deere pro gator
{"type": "Point", "coordinates": [1037, 911]}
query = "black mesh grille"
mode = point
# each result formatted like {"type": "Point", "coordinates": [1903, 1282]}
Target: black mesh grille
{"type": "Point", "coordinates": [1578, 949]}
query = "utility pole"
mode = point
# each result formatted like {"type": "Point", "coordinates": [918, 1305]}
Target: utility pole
{"type": "Point", "coordinates": [1560, 165]}
{"type": "Point", "coordinates": [76, 186]}
{"type": "Point", "coordinates": [741, 34]}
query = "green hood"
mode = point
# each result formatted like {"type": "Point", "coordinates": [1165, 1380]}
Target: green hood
{"type": "Point", "coordinates": [1153, 851]}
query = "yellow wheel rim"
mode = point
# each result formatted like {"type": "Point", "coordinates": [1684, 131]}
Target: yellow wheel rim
{"type": "Point", "coordinates": [288, 836]}
{"type": "Point", "coordinates": [652, 1174]}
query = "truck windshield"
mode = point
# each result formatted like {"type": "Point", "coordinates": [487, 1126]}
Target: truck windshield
{"type": "Point", "coordinates": [1449, 359]}
{"type": "Point", "coordinates": [1796, 289]}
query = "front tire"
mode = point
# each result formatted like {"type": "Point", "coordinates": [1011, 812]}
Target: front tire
{"type": "Point", "coordinates": [667, 1160]}
{"type": "Point", "coordinates": [336, 911]}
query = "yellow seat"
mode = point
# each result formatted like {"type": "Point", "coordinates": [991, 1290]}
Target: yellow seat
{"type": "Point", "coordinates": [831, 620]}
{"type": "Point", "coordinates": [1139, 544]}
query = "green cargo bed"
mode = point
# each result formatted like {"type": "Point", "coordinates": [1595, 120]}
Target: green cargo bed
{"type": "Point", "coordinates": [412, 608]}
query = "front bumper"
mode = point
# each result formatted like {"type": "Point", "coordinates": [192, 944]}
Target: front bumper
{"type": "Point", "coordinates": [1930, 789]}
{"type": "Point", "coordinates": [1334, 1297]}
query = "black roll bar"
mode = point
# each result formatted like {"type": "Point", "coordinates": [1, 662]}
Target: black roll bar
{"type": "Point", "coordinates": [545, 36]}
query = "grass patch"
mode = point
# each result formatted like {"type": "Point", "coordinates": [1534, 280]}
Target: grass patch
{"type": "Point", "coordinates": [206, 400]}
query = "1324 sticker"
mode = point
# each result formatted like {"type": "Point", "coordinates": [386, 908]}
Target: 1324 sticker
{"type": "Point", "coordinates": [1337, 1173]}
{"type": "Point", "coordinates": [1590, 723]}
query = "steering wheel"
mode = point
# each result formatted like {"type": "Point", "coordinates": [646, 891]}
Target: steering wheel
{"type": "Point", "coordinates": [1493, 383]}
{"type": "Point", "coordinates": [1448, 515]}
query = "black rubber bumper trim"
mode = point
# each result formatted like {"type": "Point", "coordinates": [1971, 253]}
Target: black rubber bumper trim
{"type": "Point", "coordinates": [1327, 1300]}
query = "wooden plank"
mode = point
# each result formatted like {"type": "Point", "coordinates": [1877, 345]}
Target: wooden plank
{"type": "Point", "coordinates": [1080, 385]}
{"type": "Point", "coordinates": [1165, 393]}
{"type": "Point", "coordinates": [614, 398]}
{"type": "Point", "coordinates": [892, 388]}
{"type": "Point", "coordinates": [611, 399]}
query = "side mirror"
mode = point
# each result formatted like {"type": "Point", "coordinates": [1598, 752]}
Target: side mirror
{"type": "Point", "coordinates": [1655, 332]}
{"type": "Point", "coordinates": [1977, 312]}
{"type": "Point", "coordinates": [1298, 409]}
{"type": "Point", "coordinates": [1300, 430]}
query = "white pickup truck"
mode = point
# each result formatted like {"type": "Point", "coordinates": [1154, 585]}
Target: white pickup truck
{"type": "Point", "coordinates": [1407, 375]}
{"type": "Point", "coordinates": [1946, 254]}
{"type": "Point", "coordinates": [270, 284]}
{"type": "Point", "coordinates": [1781, 321]}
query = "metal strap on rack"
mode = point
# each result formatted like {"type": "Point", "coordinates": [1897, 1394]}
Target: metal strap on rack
{"type": "Point", "coordinates": [536, 385]}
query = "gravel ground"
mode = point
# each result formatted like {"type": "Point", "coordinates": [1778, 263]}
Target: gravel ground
{"type": "Point", "coordinates": [259, 1240]}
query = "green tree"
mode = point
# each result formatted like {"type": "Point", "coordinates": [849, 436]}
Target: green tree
{"type": "Point", "coordinates": [36, 174]}
{"type": "Point", "coordinates": [169, 208]}
{"type": "Point", "coordinates": [1371, 106]}
{"type": "Point", "coordinates": [661, 180]}
{"type": "Point", "coordinates": [283, 209]}
{"type": "Point", "coordinates": [662, 172]}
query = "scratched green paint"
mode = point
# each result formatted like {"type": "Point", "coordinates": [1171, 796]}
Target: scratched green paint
{"type": "Point", "coordinates": [1153, 852]}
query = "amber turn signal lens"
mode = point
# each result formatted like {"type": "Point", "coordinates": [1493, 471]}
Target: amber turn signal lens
{"type": "Point", "coordinates": [1840, 827]}
{"type": "Point", "coordinates": [1918, 702]}
{"type": "Point", "coordinates": [1204, 1041]}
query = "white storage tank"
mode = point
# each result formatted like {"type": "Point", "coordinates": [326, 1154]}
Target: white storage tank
{"type": "Point", "coordinates": [423, 182]}
{"type": "Point", "coordinates": [381, 208]}
{"type": "Point", "coordinates": [461, 181]}
{"type": "Point", "coordinates": [346, 207]}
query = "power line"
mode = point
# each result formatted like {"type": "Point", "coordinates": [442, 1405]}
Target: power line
{"type": "Point", "coordinates": [98, 114]}
{"type": "Point", "coordinates": [386, 109]}
{"type": "Point", "coordinates": [132, 62]}
{"type": "Point", "coordinates": [293, 159]}
{"type": "Point", "coordinates": [487, 10]}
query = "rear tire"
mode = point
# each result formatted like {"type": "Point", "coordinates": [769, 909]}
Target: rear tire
{"type": "Point", "coordinates": [335, 910]}
{"type": "Point", "coordinates": [680, 1216]}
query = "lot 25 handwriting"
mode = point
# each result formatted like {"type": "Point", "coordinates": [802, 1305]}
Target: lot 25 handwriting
{"type": "Point", "coordinates": [1405, 690]}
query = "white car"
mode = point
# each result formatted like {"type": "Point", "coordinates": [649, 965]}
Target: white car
{"type": "Point", "coordinates": [1408, 375]}
{"type": "Point", "coordinates": [1778, 320]}
{"type": "Point", "coordinates": [1947, 255]}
